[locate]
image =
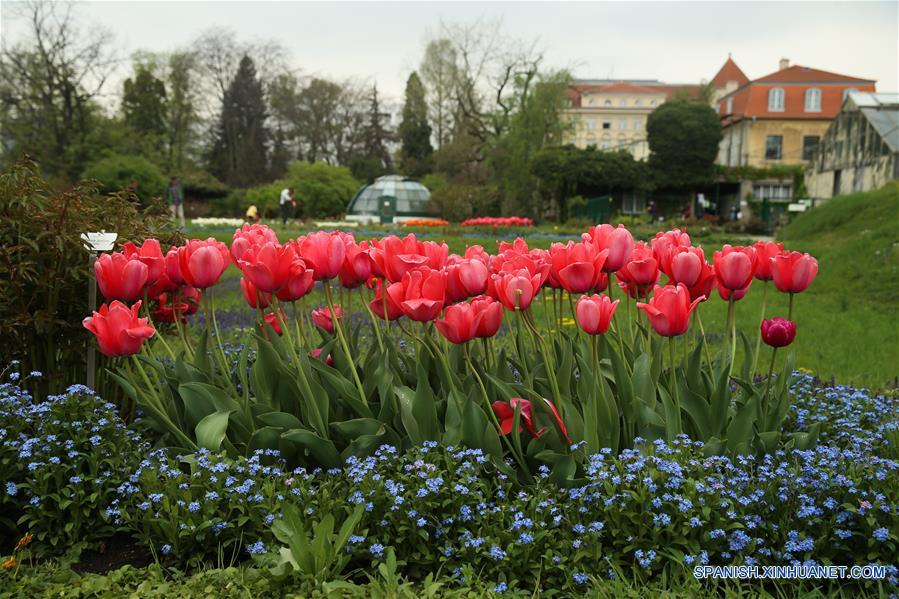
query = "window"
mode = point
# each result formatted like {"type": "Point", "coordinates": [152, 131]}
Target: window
{"type": "Point", "coordinates": [638, 124]}
{"type": "Point", "coordinates": [622, 102]}
{"type": "Point", "coordinates": [622, 124]}
{"type": "Point", "coordinates": [637, 102]}
{"type": "Point", "coordinates": [776, 99]}
{"type": "Point", "coordinates": [622, 141]}
{"type": "Point", "coordinates": [591, 124]}
{"type": "Point", "coordinates": [606, 142]}
{"type": "Point", "coordinates": [606, 124]}
{"type": "Point", "coordinates": [809, 146]}
{"type": "Point", "coordinates": [773, 192]}
{"type": "Point", "coordinates": [773, 147]}
{"type": "Point", "coordinates": [813, 100]}
{"type": "Point", "coordinates": [847, 90]}
{"type": "Point", "coordinates": [652, 102]}
{"type": "Point", "coordinates": [607, 103]}
{"type": "Point", "coordinates": [730, 106]}
{"type": "Point", "coordinates": [591, 102]}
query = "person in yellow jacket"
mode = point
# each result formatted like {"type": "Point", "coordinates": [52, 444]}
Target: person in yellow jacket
{"type": "Point", "coordinates": [252, 215]}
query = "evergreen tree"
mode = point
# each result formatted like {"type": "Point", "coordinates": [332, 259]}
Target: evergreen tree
{"type": "Point", "coordinates": [239, 157]}
{"type": "Point", "coordinates": [144, 102]}
{"type": "Point", "coordinates": [415, 132]}
{"type": "Point", "coordinates": [280, 156]}
{"type": "Point", "coordinates": [375, 159]}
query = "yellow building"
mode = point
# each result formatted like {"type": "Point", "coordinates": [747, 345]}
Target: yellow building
{"type": "Point", "coordinates": [611, 115]}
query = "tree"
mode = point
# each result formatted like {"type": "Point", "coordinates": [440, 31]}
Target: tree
{"type": "Point", "coordinates": [683, 144]}
{"type": "Point", "coordinates": [181, 108]}
{"type": "Point", "coordinates": [438, 69]}
{"type": "Point", "coordinates": [144, 102]}
{"type": "Point", "coordinates": [534, 121]}
{"type": "Point", "coordinates": [375, 158]}
{"type": "Point", "coordinates": [239, 155]}
{"type": "Point", "coordinates": [415, 132]}
{"type": "Point", "coordinates": [48, 88]}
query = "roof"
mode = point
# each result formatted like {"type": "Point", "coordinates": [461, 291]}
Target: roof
{"type": "Point", "coordinates": [800, 74]}
{"type": "Point", "coordinates": [751, 100]}
{"type": "Point", "coordinates": [882, 111]}
{"type": "Point", "coordinates": [729, 71]}
{"type": "Point", "coordinates": [628, 86]}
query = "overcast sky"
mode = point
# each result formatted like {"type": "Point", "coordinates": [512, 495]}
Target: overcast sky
{"type": "Point", "coordinates": [678, 42]}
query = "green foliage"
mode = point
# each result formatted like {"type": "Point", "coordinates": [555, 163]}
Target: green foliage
{"type": "Point", "coordinates": [65, 456]}
{"type": "Point", "coordinates": [144, 102]}
{"type": "Point", "coordinates": [435, 182]}
{"type": "Point", "coordinates": [116, 173]}
{"type": "Point", "coordinates": [458, 202]}
{"type": "Point", "coordinates": [565, 171]}
{"type": "Point", "coordinates": [43, 293]}
{"type": "Point", "coordinates": [415, 132]}
{"type": "Point", "coordinates": [536, 123]}
{"type": "Point", "coordinates": [238, 155]}
{"type": "Point", "coordinates": [683, 142]}
{"type": "Point", "coordinates": [754, 173]}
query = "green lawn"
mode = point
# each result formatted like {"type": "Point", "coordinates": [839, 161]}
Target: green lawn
{"type": "Point", "coordinates": [848, 327]}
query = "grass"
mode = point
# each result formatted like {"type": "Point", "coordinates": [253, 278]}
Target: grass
{"type": "Point", "coordinates": [848, 327]}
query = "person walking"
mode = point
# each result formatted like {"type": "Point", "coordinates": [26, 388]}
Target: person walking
{"type": "Point", "coordinates": [174, 196]}
{"type": "Point", "coordinates": [287, 202]}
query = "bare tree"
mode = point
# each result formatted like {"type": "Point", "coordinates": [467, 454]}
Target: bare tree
{"type": "Point", "coordinates": [438, 70]}
{"type": "Point", "coordinates": [49, 84]}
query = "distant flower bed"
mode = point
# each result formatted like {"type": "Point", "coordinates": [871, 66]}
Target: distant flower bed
{"type": "Point", "coordinates": [209, 221]}
{"type": "Point", "coordinates": [498, 221]}
{"type": "Point", "coordinates": [425, 222]}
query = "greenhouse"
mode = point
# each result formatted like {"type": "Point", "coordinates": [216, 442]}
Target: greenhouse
{"type": "Point", "coordinates": [389, 199]}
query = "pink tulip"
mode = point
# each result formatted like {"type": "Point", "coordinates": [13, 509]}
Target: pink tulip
{"type": "Point", "coordinates": [324, 253]}
{"type": "Point", "coordinates": [321, 318]}
{"type": "Point", "coordinates": [765, 251]}
{"type": "Point", "coordinates": [150, 253]}
{"type": "Point", "coordinates": [594, 313]}
{"type": "Point", "coordinates": [488, 316]}
{"type": "Point", "coordinates": [268, 265]}
{"type": "Point", "coordinates": [465, 279]}
{"type": "Point", "coordinates": [577, 266]}
{"type": "Point", "coordinates": [618, 240]}
{"type": "Point", "coordinates": [669, 309]}
{"type": "Point", "coordinates": [778, 332]}
{"type": "Point", "coordinates": [421, 294]}
{"type": "Point", "coordinates": [734, 269]}
{"type": "Point", "coordinates": [458, 323]}
{"type": "Point", "coordinates": [120, 278]}
{"type": "Point", "coordinates": [793, 272]}
{"type": "Point", "coordinates": [203, 262]}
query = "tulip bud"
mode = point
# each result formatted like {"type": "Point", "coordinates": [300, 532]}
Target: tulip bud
{"type": "Point", "coordinates": [594, 313]}
{"type": "Point", "coordinates": [321, 318]}
{"type": "Point", "coordinates": [778, 332]}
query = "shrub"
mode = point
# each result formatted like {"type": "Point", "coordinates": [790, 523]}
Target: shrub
{"type": "Point", "coordinates": [459, 202]}
{"type": "Point", "coordinates": [43, 293]}
{"type": "Point", "coordinates": [61, 461]}
{"type": "Point", "coordinates": [116, 173]}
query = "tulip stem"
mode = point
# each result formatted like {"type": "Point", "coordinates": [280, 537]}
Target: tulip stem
{"type": "Point", "coordinates": [486, 346]}
{"type": "Point", "coordinates": [758, 340]}
{"type": "Point", "coordinates": [790, 313]}
{"type": "Point", "coordinates": [374, 323]}
{"type": "Point", "coordinates": [675, 393]}
{"type": "Point", "coordinates": [146, 305]}
{"type": "Point", "coordinates": [176, 308]}
{"type": "Point", "coordinates": [767, 386]}
{"type": "Point", "coordinates": [732, 325]}
{"type": "Point", "coordinates": [548, 360]}
{"type": "Point", "coordinates": [705, 345]}
{"type": "Point", "coordinates": [210, 317]}
{"type": "Point", "coordinates": [157, 406]}
{"type": "Point", "coordinates": [499, 429]}
{"type": "Point", "coordinates": [341, 338]}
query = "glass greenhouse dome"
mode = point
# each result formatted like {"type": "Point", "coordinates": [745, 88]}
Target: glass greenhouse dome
{"type": "Point", "coordinates": [389, 199]}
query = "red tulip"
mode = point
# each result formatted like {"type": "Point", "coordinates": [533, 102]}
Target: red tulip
{"type": "Point", "coordinates": [488, 316]}
{"type": "Point", "coordinates": [702, 288]}
{"type": "Point", "coordinates": [150, 253]}
{"type": "Point", "coordinates": [248, 236]}
{"type": "Point", "coordinates": [506, 413]}
{"type": "Point", "coordinates": [778, 332]}
{"type": "Point", "coordinates": [118, 330]}
{"type": "Point", "coordinates": [268, 265]}
{"type": "Point", "coordinates": [254, 297]}
{"type": "Point", "coordinates": [663, 243]}
{"type": "Point", "coordinates": [173, 266]}
{"type": "Point", "coordinates": [734, 268]}
{"type": "Point", "coordinates": [602, 283]}
{"type": "Point", "coordinates": [685, 264]}
{"type": "Point", "coordinates": [166, 309]}
{"type": "Point", "coordinates": [477, 252]}
{"type": "Point", "coordinates": [458, 323]}
{"type": "Point", "coordinates": [793, 272]}
{"type": "Point", "coordinates": [377, 305]}
{"type": "Point", "coordinates": [162, 285]}
{"type": "Point", "coordinates": [669, 309]}
{"type": "Point", "coordinates": [190, 300]}
{"type": "Point", "coordinates": [299, 282]}
{"type": "Point", "coordinates": [465, 279]}
{"type": "Point", "coordinates": [120, 278]}
{"type": "Point", "coordinates": [323, 252]}
{"type": "Point", "coordinates": [618, 240]}
{"type": "Point", "coordinates": [594, 313]}
{"type": "Point", "coordinates": [421, 294]}
{"type": "Point", "coordinates": [393, 257]}
{"type": "Point", "coordinates": [436, 253]}
{"type": "Point", "coordinates": [321, 318]}
{"type": "Point", "coordinates": [765, 251]}
{"type": "Point", "coordinates": [577, 266]}
{"type": "Point", "coordinates": [516, 290]}
{"type": "Point", "coordinates": [272, 321]}
{"type": "Point", "coordinates": [356, 267]}
{"type": "Point", "coordinates": [317, 354]}
{"type": "Point", "coordinates": [640, 272]}
{"type": "Point", "coordinates": [203, 262]}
